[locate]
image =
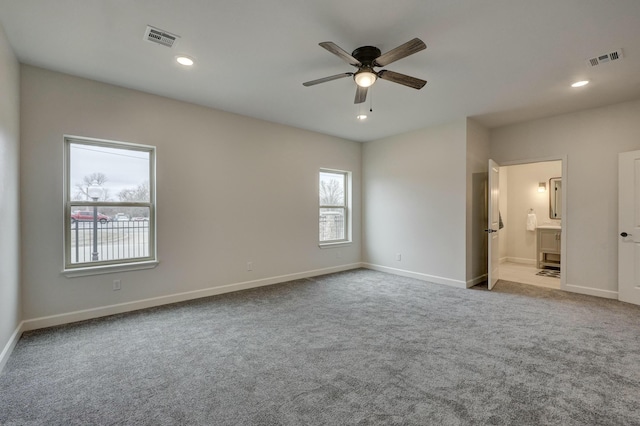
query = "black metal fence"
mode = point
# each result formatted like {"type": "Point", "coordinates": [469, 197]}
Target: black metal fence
{"type": "Point", "coordinates": [115, 240]}
{"type": "Point", "coordinates": [118, 240]}
{"type": "Point", "coordinates": [331, 227]}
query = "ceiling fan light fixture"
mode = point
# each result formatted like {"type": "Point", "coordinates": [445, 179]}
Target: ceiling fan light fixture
{"type": "Point", "coordinates": [365, 78]}
{"type": "Point", "coordinates": [366, 58]}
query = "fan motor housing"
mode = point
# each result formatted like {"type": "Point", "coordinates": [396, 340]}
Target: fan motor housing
{"type": "Point", "coordinates": [366, 54]}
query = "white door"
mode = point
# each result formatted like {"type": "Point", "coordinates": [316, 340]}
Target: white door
{"type": "Point", "coordinates": [629, 227]}
{"type": "Point", "coordinates": [493, 268]}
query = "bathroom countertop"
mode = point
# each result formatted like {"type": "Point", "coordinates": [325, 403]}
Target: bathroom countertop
{"type": "Point", "coordinates": [549, 226]}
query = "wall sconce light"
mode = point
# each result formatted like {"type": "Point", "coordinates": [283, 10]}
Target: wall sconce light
{"type": "Point", "coordinates": [542, 187]}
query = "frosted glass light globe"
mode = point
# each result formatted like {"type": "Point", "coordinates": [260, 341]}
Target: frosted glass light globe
{"type": "Point", "coordinates": [365, 78]}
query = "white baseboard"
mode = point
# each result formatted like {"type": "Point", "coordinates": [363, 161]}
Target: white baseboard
{"type": "Point", "coordinates": [607, 294]}
{"type": "Point", "coordinates": [520, 260]}
{"type": "Point", "coordinates": [477, 280]}
{"type": "Point", "coordinates": [49, 321]}
{"type": "Point", "coordinates": [11, 344]}
{"type": "Point", "coordinates": [416, 275]}
{"type": "Point", "coordinates": [69, 317]}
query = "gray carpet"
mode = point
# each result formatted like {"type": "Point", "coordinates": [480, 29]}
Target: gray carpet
{"type": "Point", "coordinates": [359, 347]}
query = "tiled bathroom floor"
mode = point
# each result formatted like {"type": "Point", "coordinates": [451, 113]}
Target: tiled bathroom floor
{"type": "Point", "coordinates": [526, 274]}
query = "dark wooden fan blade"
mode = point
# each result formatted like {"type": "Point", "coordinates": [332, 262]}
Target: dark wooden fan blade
{"type": "Point", "coordinates": [405, 80]}
{"type": "Point", "coordinates": [324, 80]}
{"type": "Point", "coordinates": [361, 94]}
{"type": "Point", "coordinates": [402, 51]}
{"type": "Point", "coordinates": [341, 53]}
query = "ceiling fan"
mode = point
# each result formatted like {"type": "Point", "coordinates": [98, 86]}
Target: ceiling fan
{"type": "Point", "coordinates": [366, 58]}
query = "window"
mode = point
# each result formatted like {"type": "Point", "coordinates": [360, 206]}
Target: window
{"type": "Point", "coordinates": [109, 207]}
{"type": "Point", "coordinates": [334, 206]}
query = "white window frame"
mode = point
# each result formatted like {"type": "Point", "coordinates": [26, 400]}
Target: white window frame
{"type": "Point", "coordinates": [347, 208]}
{"type": "Point", "coordinates": [108, 266]}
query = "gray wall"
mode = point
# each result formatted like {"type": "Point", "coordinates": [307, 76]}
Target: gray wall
{"type": "Point", "coordinates": [10, 314]}
{"type": "Point", "coordinates": [415, 203]}
{"type": "Point", "coordinates": [591, 140]}
{"type": "Point", "coordinates": [477, 175]}
{"type": "Point", "coordinates": [424, 198]}
{"type": "Point", "coordinates": [230, 189]}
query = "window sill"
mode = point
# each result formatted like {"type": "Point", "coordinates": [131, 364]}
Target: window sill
{"type": "Point", "coordinates": [109, 269]}
{"type": "Point", "coordinates": [335, 244]}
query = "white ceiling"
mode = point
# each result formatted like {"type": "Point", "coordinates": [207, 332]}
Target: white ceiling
{"type": "Point", "coordinates": [499, 61]}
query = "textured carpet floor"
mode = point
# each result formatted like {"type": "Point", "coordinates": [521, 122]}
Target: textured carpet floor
{"type": "Point", "coordinates": [359, 347]}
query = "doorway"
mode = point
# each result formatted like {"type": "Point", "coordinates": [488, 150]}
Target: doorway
{"type": "Point", "coordinates": [533, 222]}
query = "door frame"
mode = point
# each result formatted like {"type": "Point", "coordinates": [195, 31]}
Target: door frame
{"type": "Point", "coordinates": [565, 222]}
{"type": "Point", "coordinates": [493, 235]}
{"type": "Point", "coordinates": [627, 246]}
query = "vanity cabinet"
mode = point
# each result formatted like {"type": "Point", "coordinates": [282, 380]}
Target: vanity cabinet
{"type": "Point", "coordinates": [548, 247]}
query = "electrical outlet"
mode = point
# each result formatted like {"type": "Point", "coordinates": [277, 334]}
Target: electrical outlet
{"type": "Point", "coordinates": [117, 285]}
{"type": "Point", "coordinates": [249, 266]}
{"type": "Point", "coordinates": [398, 257]}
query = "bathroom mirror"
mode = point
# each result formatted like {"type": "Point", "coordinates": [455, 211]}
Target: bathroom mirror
{"type": "Point", "coordinates": [555, 198]}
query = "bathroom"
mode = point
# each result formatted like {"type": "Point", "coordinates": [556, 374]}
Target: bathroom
{"type": "Point", "coordinates": [526, 191]}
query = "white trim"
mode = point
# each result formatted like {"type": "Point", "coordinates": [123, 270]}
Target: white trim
{"type": "Point", "coordinates": [11, 344]}
{"type": "Point", "coordinates": [109, 269]}
{"type": "Point", "coordinates": [565, 185]}
{"type": "Point", "coordinates": [607, 294]}
{"type": "Point", "coordinates": [417, 275]}
{"type": "Point", "coordinates": [520, 260]}
{"type": "Point", "coordinates": [67, 265]}
{"type": "Point", "coordinates": [335, 244]}
{"type": "Point", "coordinates": [347, 207]}
{"type": "Point", "coordinates": [533, 160]}
{"type": "Point", "coordinates": [477, 280]}
{"type": "Point", "coordinates": [85, 314]}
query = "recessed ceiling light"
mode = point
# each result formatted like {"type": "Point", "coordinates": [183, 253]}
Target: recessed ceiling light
{"type": "Point", "coordinates": [184, 60]}
{"type": "Point", "coordinates": [580, 83]}
{"type": "Point", "coordinates": [361, 117]}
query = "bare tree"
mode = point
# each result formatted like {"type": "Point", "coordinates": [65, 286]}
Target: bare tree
{"type": "Point", "coordinates": [331, 193]}
{"type": "Point", "coordinates": [82, 189]}
{"type": "Point", "coordinates": [132, 195]}
{"type": "Point", "coordinates": [140, 193]}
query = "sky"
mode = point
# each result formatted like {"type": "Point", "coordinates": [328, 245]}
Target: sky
{"type": "Point", "coordinates": [124, 168]}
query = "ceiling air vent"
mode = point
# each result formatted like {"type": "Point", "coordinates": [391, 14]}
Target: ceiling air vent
{"type": "Point", "coordinates": [607, 57]}
{"type": "Point", "coordinates": [156, 35]}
